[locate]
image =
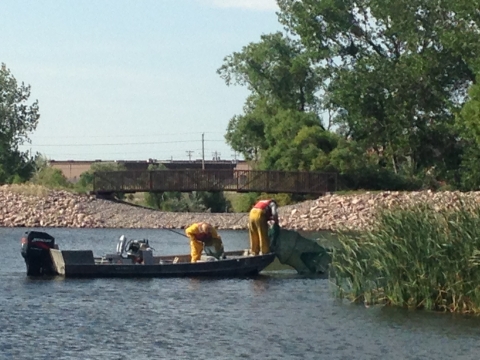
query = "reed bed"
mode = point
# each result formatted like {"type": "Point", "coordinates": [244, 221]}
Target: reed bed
{"type": "Point", "coordinates": [421, 257]}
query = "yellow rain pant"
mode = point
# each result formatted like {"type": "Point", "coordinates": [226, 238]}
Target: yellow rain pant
{"type": "Point", "coordinates": [258, 231]}
{"type": "Point", "coordinates": [196, 248]}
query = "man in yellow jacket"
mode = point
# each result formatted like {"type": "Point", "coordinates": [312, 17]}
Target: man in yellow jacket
{"type": "Point", "coordinates": [262, 212]}
{"type": "Point", "coordinates": [203, 235]}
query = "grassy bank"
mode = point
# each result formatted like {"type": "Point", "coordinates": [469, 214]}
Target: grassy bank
{"type": "Point", "coordinates": [29, 189]}
{"type": "Point", "coordinates": [415, 258]}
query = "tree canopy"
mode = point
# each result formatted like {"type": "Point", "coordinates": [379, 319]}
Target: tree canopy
{"type": "Point", "coordinates": [18, 119]}
{"type": "Point", "coordinates": [393, 76]}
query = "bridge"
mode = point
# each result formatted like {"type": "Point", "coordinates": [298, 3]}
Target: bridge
{"type": "Point", "coordinates": [106, 183]}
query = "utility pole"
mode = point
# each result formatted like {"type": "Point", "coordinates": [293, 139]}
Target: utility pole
{"type": "Point", "coordinates": [235, 156]}
{"type": "Point", "coordinates": [203, 151]}
{"type": "Point", "coordinates": [189, 154]}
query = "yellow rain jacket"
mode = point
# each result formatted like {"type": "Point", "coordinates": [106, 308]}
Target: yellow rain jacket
{"type": "Point", "coordinates": [199, 240]}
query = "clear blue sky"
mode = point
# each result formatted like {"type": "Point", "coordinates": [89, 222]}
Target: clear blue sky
{"type": "Point", "coordinates": [130, 80]}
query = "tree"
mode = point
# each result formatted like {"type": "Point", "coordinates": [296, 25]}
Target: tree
{"type": "Point", "coordinates": [469, 117]}
{"type": "Point", "coordinates": [277, 69]}
{"type": "Point", "coordinates": [283, 86]}
{"type": "Point", "coordinates": [468, 123]}
{"type": "Point", "coordinates": [294, 139]}
{"type": "Point", "coordinates": [245, 133]}
{"type": "Point", "coordinates": [211, 201]}
{"type": "Point", "coordinates": [17, 120]}
{"type": "Point", "coordinates": [397, 72]}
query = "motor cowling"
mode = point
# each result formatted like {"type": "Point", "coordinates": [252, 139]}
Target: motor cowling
{"type": "Point", "coordinates": [35, 249]}
{"type": "Point", "coordinates": [135, 249]}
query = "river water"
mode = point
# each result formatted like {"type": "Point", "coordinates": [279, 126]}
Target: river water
{"type": "Point", "coordinates": [277, 315]}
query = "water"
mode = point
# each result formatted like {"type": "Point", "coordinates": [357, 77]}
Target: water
{"type": "Point", "coordinates": [275, 316]}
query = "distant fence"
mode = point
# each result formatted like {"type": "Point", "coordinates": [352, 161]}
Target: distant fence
{"type": "Point", "coordinates": [107, 182]}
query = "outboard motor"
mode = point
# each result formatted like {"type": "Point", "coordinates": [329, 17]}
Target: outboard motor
{"type": "Point", "coordinates": [122, 241]}
{"type": "Point", "coordinates": [135, 249]}
{"type": "Point", "coordinates": [36, 247]}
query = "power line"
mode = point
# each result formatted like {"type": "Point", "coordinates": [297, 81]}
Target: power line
{"type": "Point", "coordinates": [123, 136]}
{"type": "Point", "coordinates": [120, 144]}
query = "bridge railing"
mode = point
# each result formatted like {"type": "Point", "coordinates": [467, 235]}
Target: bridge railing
{"type": "Point", "coordinates": [188, 180]}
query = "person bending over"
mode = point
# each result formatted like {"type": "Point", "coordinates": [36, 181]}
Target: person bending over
{"type": "Point", "coordinates": [204, 236]}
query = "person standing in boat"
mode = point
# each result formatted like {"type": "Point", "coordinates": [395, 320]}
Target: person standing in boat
{"type": "Point", "coordinates": [262, 212]}
{"type": "Point", "coordinates": [204, 236]}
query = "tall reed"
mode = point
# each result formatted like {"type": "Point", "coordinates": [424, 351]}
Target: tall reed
{"type": "Point", "coordinates": [416, 258]}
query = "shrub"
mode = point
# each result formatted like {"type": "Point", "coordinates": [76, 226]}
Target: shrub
{"type": "Point", "coordinates": [51, 178]}
{"type": "Point", "coordinates": [242, 202]}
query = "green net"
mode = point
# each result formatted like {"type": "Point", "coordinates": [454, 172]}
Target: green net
{"type": "Point", "coordinates": [304, 255]}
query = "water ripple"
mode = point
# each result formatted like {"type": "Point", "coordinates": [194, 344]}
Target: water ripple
{"type": "Point", "coordinates": [275, 316]}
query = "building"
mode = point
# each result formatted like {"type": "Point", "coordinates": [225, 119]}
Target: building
{"type": "Point", "coordinates": [72, 169]}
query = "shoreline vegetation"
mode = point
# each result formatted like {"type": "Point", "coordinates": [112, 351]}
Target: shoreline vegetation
{"type": "Point", "coordinates": [417, 258]}
{"type": "Point", "coordinates": [416, 250]}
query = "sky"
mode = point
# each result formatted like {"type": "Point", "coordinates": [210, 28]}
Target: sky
{"type": "Point", "coordinates": [130, 80]}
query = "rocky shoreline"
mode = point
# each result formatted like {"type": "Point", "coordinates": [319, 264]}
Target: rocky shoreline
{"type": "Point", "coordinates": [54, 208]}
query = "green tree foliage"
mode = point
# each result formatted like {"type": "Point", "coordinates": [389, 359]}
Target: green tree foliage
{"type": "Point", "coordinates": [242, 202]}
{"type": "Point", "coordinates": [51, 178]}
{"type": "Point", "coordinates": [245, 133]}
{"type": "Point", "coordinates": [47, 176]}
{"type": "Point", "coordinates": [212, 201]}
{"type": "Point", "coordinates": [276, 69]}
{"type": "Point", "coordinates": [167, 201]}
{"type": "Point", "coordinates": [468, 122]}
{"type": "Point", "coordinates": [394, 75]}
{"type": "Point", "coordinates": [398, 72]}
{"type": "Point", "coordinates": [294, 140]}
{"type": "Point", "coordinates": [469, 117]}
{"type": "Point", "coordinates": [283, 84]}
{"type": "Point", "coordinates": [18, 119]}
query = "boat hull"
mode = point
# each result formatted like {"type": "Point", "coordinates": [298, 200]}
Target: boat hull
{"type": "Point", "coordinates": [240, 266]}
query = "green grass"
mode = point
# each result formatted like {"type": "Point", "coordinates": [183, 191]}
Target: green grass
{"type": "Point", "coordinates": [29, 189]}
{"type": "Point", "coordinates": [418, 258]}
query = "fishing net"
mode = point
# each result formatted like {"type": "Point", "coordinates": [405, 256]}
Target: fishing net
{"type": "Point", "coordinates": [304, 255]}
